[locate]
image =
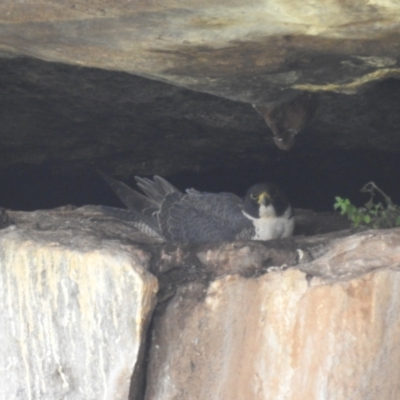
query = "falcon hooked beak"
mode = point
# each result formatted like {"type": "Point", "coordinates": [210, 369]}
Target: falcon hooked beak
{"type": "Point", "coordinates": [266, 208]}
{"type": "Point", "coordinates": [264, 198]}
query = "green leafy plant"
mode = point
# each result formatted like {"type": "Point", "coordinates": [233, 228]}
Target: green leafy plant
{"type": "Point", "coordinates": [374, 214]}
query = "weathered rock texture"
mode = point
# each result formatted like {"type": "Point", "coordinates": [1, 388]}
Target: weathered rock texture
{"type": "Point", "coordinates": [258, 52]}
{"type": "Point", "coordinates": [286, 334]}
{"type": "Point", "coordinates": [315, 315]}
{"type": "Point", "coordinates": [74, 309]}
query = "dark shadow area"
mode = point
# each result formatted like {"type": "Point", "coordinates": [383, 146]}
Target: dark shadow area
{"type": "Point", "coordinates": [311, 182]}
{"type": "Point", "coordinates": [60, 123]}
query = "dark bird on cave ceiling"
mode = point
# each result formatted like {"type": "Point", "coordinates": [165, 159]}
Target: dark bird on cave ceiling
{"type": "Point", "coordinates": [288, 119]}
{"type": "Point", "coordinates": [165, 212]}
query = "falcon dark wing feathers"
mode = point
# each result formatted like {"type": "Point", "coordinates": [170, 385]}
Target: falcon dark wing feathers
{"type": "Point", "coordinates": [200, 217]}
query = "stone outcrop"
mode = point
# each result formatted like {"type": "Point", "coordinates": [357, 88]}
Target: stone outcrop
{"type": "Point", "coordinates": [287, 334]}
{"type": "Point", "coordinates": [74, 309]}
{"type": "Point", "coordinates": [257, 53]}
{"type": "Point", "coordinates": [310, 316]}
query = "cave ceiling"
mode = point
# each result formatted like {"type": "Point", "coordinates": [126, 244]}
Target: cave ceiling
{"type": "Point", "coordinates": [252, 53]}
{"type": "Point", "coordinates": [144, 87]}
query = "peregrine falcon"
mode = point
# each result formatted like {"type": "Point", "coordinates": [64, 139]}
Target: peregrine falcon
{"type": "Point", "coordinates": [197, 217]}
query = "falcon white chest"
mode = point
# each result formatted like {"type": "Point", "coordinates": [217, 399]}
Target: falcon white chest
{"type": "Point", "coordinates": [269, 226]}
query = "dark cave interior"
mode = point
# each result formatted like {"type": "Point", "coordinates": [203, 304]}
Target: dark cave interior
{"type": "Point", "coordinates": [43, 114]}
{"type": "Point", "coordinates": [311, 183]}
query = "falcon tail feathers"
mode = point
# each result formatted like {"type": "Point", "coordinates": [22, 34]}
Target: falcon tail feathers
{"type": "Point", "coordinates": [155, 189]}
{"type": "Point", "coordinates": [132, 199]}
{"type": "Point", "coordinates": [141, 222]}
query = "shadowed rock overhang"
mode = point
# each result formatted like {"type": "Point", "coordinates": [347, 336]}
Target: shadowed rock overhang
{"type": "Point", "coordinates": [257, 53]}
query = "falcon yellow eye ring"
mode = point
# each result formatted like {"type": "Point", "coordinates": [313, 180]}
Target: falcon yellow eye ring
{"type": "Point", "coordinates": [253, 196]}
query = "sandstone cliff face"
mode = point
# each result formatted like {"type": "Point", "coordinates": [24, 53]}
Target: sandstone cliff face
{"type": "Point", "coordinates": [74, 313]}
{"type": "Point", "coordinates": [303, 318]}
{"type": "Point", "coordinates": [287, 334]}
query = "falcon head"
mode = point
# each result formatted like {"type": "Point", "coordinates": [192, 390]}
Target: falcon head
{"type": "Point", "coordinates": [265, 200]}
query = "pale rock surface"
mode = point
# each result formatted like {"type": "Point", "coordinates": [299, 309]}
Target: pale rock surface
{"type": "Point", "coordinates": [74, 309]}
{"type": "Point", "coordinates": [248, 52]}
{"type": "Point", "coordinates": [287, 335]}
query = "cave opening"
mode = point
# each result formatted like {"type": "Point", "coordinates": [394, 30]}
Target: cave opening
{"type": "Point", "coordinates": [60, 124]}
{"type": "Point", "coordinates": [310, 182]}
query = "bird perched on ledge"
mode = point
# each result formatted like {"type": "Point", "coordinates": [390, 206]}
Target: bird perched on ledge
{"type": "Point", "coordinates": [197, 217]}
